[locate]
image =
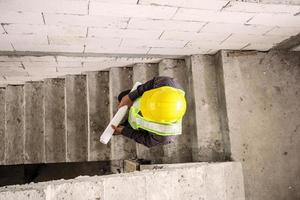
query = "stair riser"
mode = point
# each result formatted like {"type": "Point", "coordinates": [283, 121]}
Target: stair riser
{"type": "Point", "coordinates": [14, 124]}
{"type": "Point", "coordinates": [99, 114]}
{"type": "Point", "coordinates": [180, 150]}
{"type": "Point", "coordinates": [76, 118]}
{"type": "Point", "coordinates": [120, 80]}
{"type": "Point", "coordinates": [207, 90]}
{"type": "Point", "coordinates": [34, 123]}
{"type": "Point", "coordinates": [55, 131]}
{"type": "Point", "coordinates": [143, 73]}
{"type": "Point", "coordinates": [2, 125]}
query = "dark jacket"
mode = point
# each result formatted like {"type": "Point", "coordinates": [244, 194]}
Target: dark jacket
{"type": "Point", "coordinates": [142, 136]}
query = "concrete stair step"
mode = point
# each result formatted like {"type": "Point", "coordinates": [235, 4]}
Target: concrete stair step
{"type": "Point", "coordinates": [55, 130]}
{"type": "Point", "coordinates": [76, 118]}
{"type": "Point", "coordinates": [141, 73]}
{"type": "Point", "coordinates": [208, 108]}
{"type": "Point", "coordinates": [14, 124]}
{"type": "Point", "coordinates": [34, 151]}
{"type": "Point", "coordinates": [180, 150]}
{"type": "Point", "coordinates": [120, 79]}
{"type": "Point", "coordinates": [98, 113]}
{"type": "Point", "coordinates": [2, 126]}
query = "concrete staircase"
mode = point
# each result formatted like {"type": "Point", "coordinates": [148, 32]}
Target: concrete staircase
{"type": "Point", "coordinates": [61, 119]}
{"type": "Point", "coordinates": [261, 111]}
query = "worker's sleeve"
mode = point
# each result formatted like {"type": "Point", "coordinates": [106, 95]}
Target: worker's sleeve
{"type": "Point", "coordinates": [141, 89]}
{"type": "Point", "coordinates": [156, 82]}
{"type": "Point", "coordinates": [144, 137]}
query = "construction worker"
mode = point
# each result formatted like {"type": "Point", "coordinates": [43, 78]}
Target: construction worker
{"type": "Point", "coordinates": [156, 111]}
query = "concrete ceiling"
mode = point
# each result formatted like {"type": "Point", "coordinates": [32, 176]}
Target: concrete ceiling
{"type": "Point", "coordinates": [69, 35]}
{"type": "Point", "coordinates": [172, 27]}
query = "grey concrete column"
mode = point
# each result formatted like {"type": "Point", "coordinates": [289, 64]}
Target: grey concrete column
{"type": "Point", "coordinates": [99, 114]}
{"type": "Point", "coordinates": [2, 125]}
{"type": "Point", "coordinates": [180, 150]}
{"type": "Point", "coordinates": [120, 79]}
{"type": "Point", "coordinates": [206, 87]}
{"type": "Point", "coordinates": [14, 124]}
{"type": "Point", "coordinates": [55, 133]}
{"type": "Point", "coordinates": [144, 72]}
{"type": "Point", "coordinates": [34, 122]}
{"type": "Point", "coordinates": [76, 118]}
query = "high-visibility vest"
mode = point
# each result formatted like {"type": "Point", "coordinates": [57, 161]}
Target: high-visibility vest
{"type": "Point", "coordinates": [137, 121]}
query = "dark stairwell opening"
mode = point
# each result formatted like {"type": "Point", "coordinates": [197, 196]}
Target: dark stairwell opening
{"type": "Point", "coordinates": [22, 174]}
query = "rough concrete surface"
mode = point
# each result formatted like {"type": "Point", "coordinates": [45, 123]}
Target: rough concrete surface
{"type": "Point", "coordinates": [34, 123]}
{"type": "Point", "coordinates": [168, 166]}
{"type": "Point", "coordinates": [215, 181]}
{"type": "Point", "coordinates": [208, 143]}
{"type": "Point", "coordinates": [76, 118]}
{"type": "Point", "coordinates": [142, 73]}
{"type": "Point", "coordinates": [55, 133]}
{"type": "Point", "coordinates": [120, 79]}
{"type": "Point", "coordinates": [262, 94]}
{"type": "Point", "coordinates": [99, 115]}
{"type": "Point", "coordinates": [89, 190]}
{"type": "Point", "coordinates": [30, 194]}
{"type": "Point", "coordinates": [14, 124]}
{"type": "Point", "coordinates": [180, 150]}
{"type": "Point", "coordinates": [2, 125]}
{"type": "Point", "coordinates": [135, 29]}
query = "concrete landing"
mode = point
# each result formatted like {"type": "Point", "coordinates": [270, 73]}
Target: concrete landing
{"type": "Point", "coordinates": [216, 181]}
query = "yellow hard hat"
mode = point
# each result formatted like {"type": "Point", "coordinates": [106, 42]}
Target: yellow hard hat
{"type": "Point", "coordinates": [163, 105]}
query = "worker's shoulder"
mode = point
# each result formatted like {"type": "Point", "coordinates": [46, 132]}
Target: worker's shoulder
{"type": "Point", "coordinates": [160, 81]}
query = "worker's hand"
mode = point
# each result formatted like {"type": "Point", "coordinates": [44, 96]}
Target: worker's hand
{"type": "Point", "coordinates": [125, 101]}
{"type": "Point", "coordinates": [118, 129]}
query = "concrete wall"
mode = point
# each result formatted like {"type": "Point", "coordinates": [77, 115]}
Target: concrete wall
{"type": "Point", "coordinates": [216, 181]}
{"type": "Point", "coordinates": [263, 104]}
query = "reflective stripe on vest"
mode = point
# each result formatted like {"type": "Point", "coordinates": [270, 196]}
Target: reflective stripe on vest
{"type": "Point", "coordinates": [137, 121]}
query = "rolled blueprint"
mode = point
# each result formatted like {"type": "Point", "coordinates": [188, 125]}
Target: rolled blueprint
{"type": "Point", "coordinates": [108, 132]}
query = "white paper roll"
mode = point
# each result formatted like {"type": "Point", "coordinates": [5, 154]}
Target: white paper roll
{"type": "Point", "coordinates": [108, 132]}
